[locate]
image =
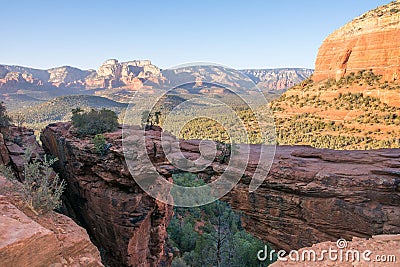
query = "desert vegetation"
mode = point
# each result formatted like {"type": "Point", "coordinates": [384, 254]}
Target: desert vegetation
{"type": "Point", "coordinates": [41, 114]}
{"type": "Point", "coordinates": [354, 112]}
{"type": "Point", "coordinates": [94, 121]}
{"type": "Point", "coordinates": [40, 188]}
{"type": "Point", "coordinates": [100, 145]}
{"type": "Point", "coordinates": [5, 119]}
{"type": "Point", "coordinates": [358, 111]}
{"type": "Point", "coordinates": [211, 235]}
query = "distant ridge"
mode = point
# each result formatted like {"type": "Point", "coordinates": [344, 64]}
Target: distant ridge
{"type": "Point", "coordinates": [59, 109]}
{"type": "Point", "coordinates": [130, 75]}
{"type": "Point", "coordinates": [277, 79]}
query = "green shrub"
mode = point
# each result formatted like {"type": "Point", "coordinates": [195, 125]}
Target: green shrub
{"type": "Point", "coordinates": [99, 142]}
{"type": "Point", "coordinates": [41, 188]}
{"type": "Point", "coordinates": [5, 120]}
{"type": "Point", "coordinates": [94, 121]}
{"type": "Point", "coordinates": [179, 262]}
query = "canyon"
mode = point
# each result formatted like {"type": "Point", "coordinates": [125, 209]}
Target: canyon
{"type": "Point", "coordinates": [128, 225]}
{"type": "Point", "coordinates": [309, 196]}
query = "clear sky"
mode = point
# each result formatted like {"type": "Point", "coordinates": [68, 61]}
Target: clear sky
{"type": "Point", "coordinates": [239, 34]}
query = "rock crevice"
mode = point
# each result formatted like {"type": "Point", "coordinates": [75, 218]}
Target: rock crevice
{"type": "Point", "coordinates": [126, 224]}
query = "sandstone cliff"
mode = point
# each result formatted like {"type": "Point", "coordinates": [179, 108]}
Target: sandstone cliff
{"type": "Point", "coordinates": [68, 76]}
{"type": "Point", "coordinates": [309, 196]}
{"type": "Point", "coordinates": [352, 101]}
{"type": "Point", "coordinates": [313, 195]}
{"type": "Point", "coordinates": [14, 80]}
{"type": "Point", "coordinates": [370, 41]}
{"type": "Point", "coordinates": [112, 74]}
{"type": "Point", "coordinates": [13, 145]}
{"type": "Point", "coordinates": [123, 221]}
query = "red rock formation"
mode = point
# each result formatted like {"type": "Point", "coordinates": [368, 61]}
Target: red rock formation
{"type": "Point", "coordinates": [132, 75]}
{"type": "Point", "coordinates": [123, 221]}
{"type": "Point", "coordinates": [31, 240]}
{"type": "Point", "coordinates": [132, 83]}
{"type": "Point", "coordinates": [45, 240]}
{"type": "Point", "coordinates": [16, 80]}
{"type": "Point", "coordinates": [313, 195]}
{"type": "Point", "coordinates": [12, 151]}
{"type": "Point", "coordinates": [68, 77]}
{"type": "Point", "coordinates": [370, 41]}
{"type": "Point", "coordinates": [113, 74]}
{"type": "Point", "coordinates": [310, 195]}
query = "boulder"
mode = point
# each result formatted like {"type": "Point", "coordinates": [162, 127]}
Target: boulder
{"type": "Point", "coordinates": [46, 240]}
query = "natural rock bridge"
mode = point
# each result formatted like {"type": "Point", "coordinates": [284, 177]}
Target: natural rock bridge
{"type": "Point", "coordinates": [310, 195]}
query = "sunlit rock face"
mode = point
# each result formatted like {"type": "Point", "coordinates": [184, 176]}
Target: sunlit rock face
{"type": "Point", "coordinates": [370, 41]}
{"type": "Point", "coordinates": [113, 74]}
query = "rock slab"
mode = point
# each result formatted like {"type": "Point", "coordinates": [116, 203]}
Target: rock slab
{"type": "Point", "coordinates": [53, 240]}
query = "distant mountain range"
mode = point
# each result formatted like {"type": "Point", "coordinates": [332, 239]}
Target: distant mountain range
{"type": "Point", "coordinates": [277, 79]}
{"type": "Point", "coordinates": [130, 75]}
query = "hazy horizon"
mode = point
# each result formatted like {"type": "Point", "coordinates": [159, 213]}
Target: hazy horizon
{"type": "Point", "coordinates": [241, 35]}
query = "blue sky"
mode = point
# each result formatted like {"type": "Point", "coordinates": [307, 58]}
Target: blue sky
{"type": "Point", "coordinates": [238, 34]}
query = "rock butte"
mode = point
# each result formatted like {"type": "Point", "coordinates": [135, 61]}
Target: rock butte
{"type": "Point", "coordinates": [310, 195]}
{"type": "Point", "coordinates": [370, 41]}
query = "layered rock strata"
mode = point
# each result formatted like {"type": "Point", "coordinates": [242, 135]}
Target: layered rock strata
{"type": "Point", "coordinates": [125, 223]}
{"type": "Point", "coordinates": [370, 41]}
